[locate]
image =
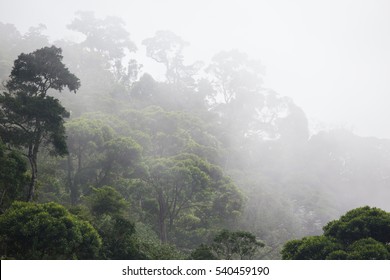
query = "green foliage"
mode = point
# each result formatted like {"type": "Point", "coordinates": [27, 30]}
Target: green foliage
{"type": "Point", "coordinates": [28, 116]}
{"type": "Point", "coordinates": [360, 223]}
{"type": "Point", "coordinates": [117, 236]}
{"type": "Point", "coordinates": [237, 244]}
{"type": "Point", "coordinates": [310, 248]}
{"type": "Point", "coordinates": [12, 177]}
{"type": "Point", "coordinates": [85, 140]}
{"type": "Point", "coordinates": [187, 187]}
{"type": "Point", "coordinates": [46, 231]}
{"type": "Point", "coordinates": [368, 249]}
{"type": "Point", "coordinates": [150, 247]}
{"type": "Point", "coordinates": [37, 72]}
{"type": "Point", "coordinates": [108, 208]}
{"type": "Point", "coordinates": [203, 252]}
{"type": "Point", "coordinates": [26, 121]}
{"type": "Point", "coordinates": [362, 233]}
{"type": "Point", "coordinates": [170, 133]}
{"type": "Point", "coordinates": [98, 156]}
{"type": "Point", "coordinates": [229, 245]}
{"type": "Point", "coordinates": [84, 135]}
{"type": "Point", "coordinates": [106, 201]}
{"type": "Point", "coordinates": [176, 161]}
{"type": "Point", "coordinates": [122, 152]}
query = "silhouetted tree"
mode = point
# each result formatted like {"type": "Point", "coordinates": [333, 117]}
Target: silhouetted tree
{"type": "Point", "coordinates": [28, 115]}
{"type": "Point", "coordinates": [167, 48]}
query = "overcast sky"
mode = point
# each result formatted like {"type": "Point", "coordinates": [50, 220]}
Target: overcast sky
{"type": "Point", "coordinates": [331, 57]}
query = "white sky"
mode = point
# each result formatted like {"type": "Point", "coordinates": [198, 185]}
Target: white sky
{"type": "Point", "coordinates": [332, 56]}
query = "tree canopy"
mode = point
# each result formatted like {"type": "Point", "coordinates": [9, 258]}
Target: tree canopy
{"type": "Point", "coordinates": [12, 177]}
{"type": "Point", "coordinates": [46, 231]}
{"type": "Point", "coordinates": [28, 116]}
{"type": "Point", "coordinates": [362, 233]}
{"type": "Point", "coordinates": [202, 163]}
{"type": "Point", "coordinates": [228, 245]}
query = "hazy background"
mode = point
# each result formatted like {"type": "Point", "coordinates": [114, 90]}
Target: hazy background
{"type": "Point", "coordinates": [331, 57]}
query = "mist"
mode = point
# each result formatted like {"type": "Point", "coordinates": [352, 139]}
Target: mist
{"type": "Point", "coordinates": [332, 58]}
{"type": "Point", "coordinates": [192, 117]}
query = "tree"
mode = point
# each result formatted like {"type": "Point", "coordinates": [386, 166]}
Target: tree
{"type": "Point", "coordinates": [108, 38]}
{"type": "Point", "coordinates": [236, 76]}
{"type": "Point", "coordinates": [85, 140]}
{"type": "Point", "coordinates": [97, 156]}
{"type": "Point", "coordinates": [106, 201]}
{"type": "Point", "coordinates": [46, 231]}
{"type": "Point", "coordinates": [28, 115]}
{"type": "Point", "coordinates": [360, 223]}
{"type": "Point", "coordinates": [368, 249]}
{"type": "Point", "coordinates": [122, 155]}
{"type": "Point", "coordinates": [203, 252]}
{"type": "Point", "coordinates": [12, 177]}
{"type": "Point", "coordinates": [310, 248]}
{"type": "Point", "coordinates": [149, 246]}
{"type": "Point", "coordinates": [191, 194]}
{"type": "Point", "coordinates": [13, 43]}
{"type": "Point", "coordinates": [108, 208]}
{"type": "Point", "coordinates": [228, 245]}
{"type": "Point", "coordinates": [117, 234]}
{"type": "Point", "coordinates": [362, 233]}
{"type": "Point", "coordinates": [121, 238]}
{"type": "Point", "coordinates": [167, 48]}
{"type": "Point", "coordinates": [34, 39]}
{"type": "Point", "coordinates": [175, 184]}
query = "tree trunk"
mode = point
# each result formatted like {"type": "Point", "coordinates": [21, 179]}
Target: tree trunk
{"type": "Point", "coordinates": [1, 201]}
{"type": "Point", "coordinates": [71, 183]}
{"type": "Point", "coordinates": [161, 218]}
{"type": "Point", "coordinates": [32, 158]}
{"type": "Point", "coordinates": [34, 171]}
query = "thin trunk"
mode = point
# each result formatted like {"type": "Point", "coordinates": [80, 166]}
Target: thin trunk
{"type": "Point", "coordinates": [79, 156]}
{"type": "Point", "coordinates": [34, 171]}
{"type": "Point", "coordinates": [161, 218]}
{"type": "Point", "coordinates": [71, 184]}
{"type": "Point", "coordinates": [1, 201]}
{"type": "Point", "coordinates": [32, 158]}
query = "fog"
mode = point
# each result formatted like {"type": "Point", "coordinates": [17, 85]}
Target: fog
{"type": "Point", "coordinates": [192, 117]}
{"type": "Point", "coordinates": [331, 57]}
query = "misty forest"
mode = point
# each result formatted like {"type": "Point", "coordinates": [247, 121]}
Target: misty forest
{"type": "Point", "coordinates": [99, 159]}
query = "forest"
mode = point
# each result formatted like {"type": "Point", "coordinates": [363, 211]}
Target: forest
{"type": "Point", "coordinates": [101, 160]}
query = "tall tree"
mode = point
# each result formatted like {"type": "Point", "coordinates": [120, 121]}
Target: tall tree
{"type": "Point", "coordinates": [167, 48]}
{"type": "Point", "coordinates": [235, 75]}
{"type": "Point", "coordinates": [29, 117]}
{"type": "Point", "coordinates": [109, 39]}
{"type": "Point", "coordinates": [107, 36]}
{"type": "Point", "coordinates": [191, 192]}
{"type": "Point", "coordinates": [85, 140]}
